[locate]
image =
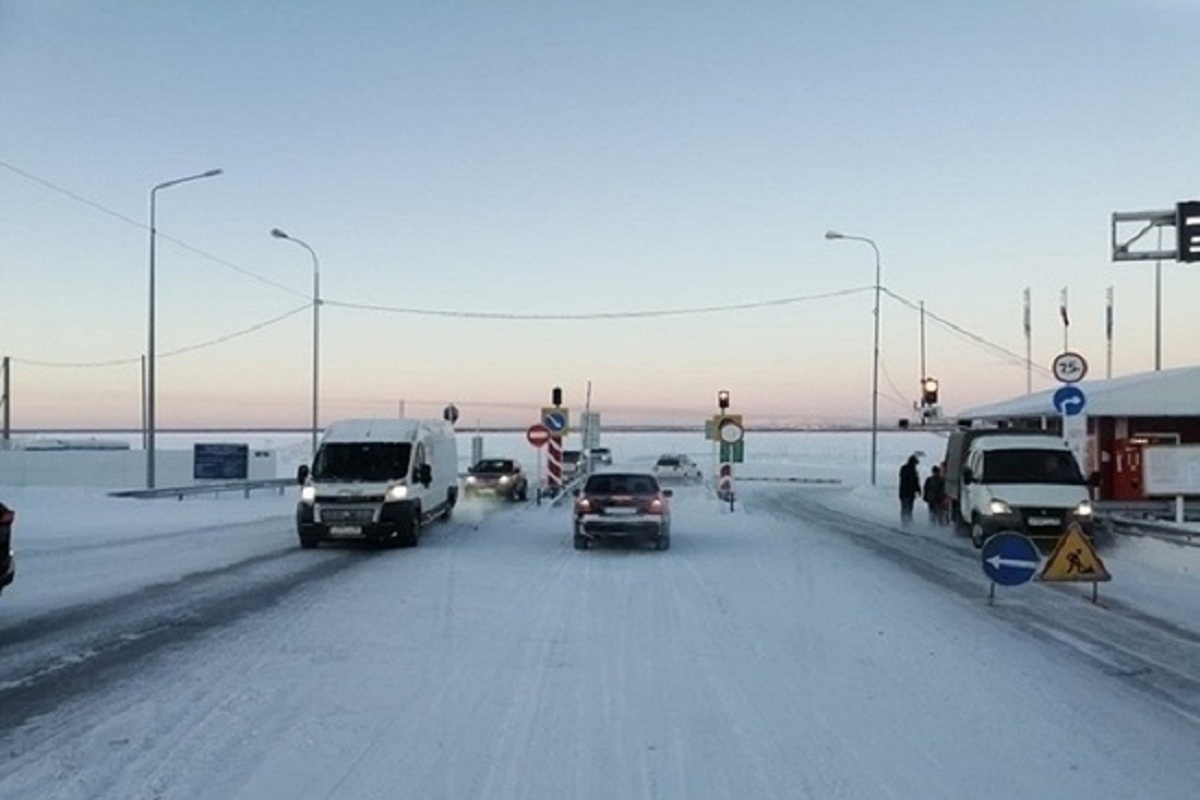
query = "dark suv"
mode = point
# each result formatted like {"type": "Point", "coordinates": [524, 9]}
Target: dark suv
{"type": "Point", "coordinates": [497, 477]}
{"type": "Point", "coordinates": [628, 505]}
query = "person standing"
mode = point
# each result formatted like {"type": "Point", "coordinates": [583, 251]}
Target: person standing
{"type": "Point", "coordinates": [910, 489]}
{"type": "Point", "coordinates": [934, 493]}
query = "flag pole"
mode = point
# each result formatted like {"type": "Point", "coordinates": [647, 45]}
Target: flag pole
{"type": "Point", "coordinates": [1108, 333]}
{"type": "Point", "coordinates": [1028, 345]}
{"type": "Point", "coordinates": [1066, 320]}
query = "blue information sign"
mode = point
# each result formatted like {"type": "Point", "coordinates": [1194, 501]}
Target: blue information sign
{"type": "Point", "coordinates": [1010, 559]}
{"type": "Point", "coordinates": [220, 462]}
{"type": "Point", "coordinates": [556, 421]}
{"type": "Point", "coordinates": [1069, 400]}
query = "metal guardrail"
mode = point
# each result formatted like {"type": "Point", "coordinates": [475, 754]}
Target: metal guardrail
{"type": "Point", "coordinates": [1158, 529]}
{"type": "Point", "coordinates": [1160, 509]}
{"type": "Point", "coordinates": [1155, 518]}
{"type": "Point", "coordinates": [812, 481]}
{"type": "Point", "coordinates": [180, 492]}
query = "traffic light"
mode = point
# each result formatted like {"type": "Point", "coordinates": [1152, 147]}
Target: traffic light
{"type": "Point", "coordinates": [556, 396]}
{"type": "Point", "coordinates": [723, 399]}
{"type": "Point", "coordinates": [1187, 229]}
{"type": "Point", "coordinates": [929, 392]}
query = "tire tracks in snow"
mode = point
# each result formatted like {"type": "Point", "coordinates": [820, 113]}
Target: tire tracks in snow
{"type": "Point", "coordinates": [1146, 653]}
{"type": "Point", "coordinates": [50, 659]}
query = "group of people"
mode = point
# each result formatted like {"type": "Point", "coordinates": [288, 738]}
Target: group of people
{"type": "Point", "coordinates": [933, 492]}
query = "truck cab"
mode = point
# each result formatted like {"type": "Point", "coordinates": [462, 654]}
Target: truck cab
{"type": "Point", "coordinates": [1027, 483]}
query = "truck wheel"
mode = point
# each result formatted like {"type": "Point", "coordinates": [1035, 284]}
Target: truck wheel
{"type": "Point", "coordinates": [408, 529]}
{"type": "Point", "coordinates": [664, 541]}
{"type": "Point", "coordinates": [977, 535]}
{"type": "Point", "coordinates": [308, 543]}
{"type": "Point", "coordinates": [581, 542]}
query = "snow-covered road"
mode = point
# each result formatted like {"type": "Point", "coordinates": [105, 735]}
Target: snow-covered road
{"type": "Point", "coordinates": [800, 647]}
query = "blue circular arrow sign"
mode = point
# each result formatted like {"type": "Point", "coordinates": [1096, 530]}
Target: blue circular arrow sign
{"type": "Point", "coordinates": [1010, 559]}
{"type": "Point", "coordinates": [556, 421]}
{"type": "Point", "coordinates": [1069, 400]}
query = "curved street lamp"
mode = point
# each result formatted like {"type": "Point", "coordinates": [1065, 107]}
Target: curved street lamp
{"type": "Point", "coordinates": [150, 359]}
{"type": "Point", "coordinates": [316, 348]}
{"type": "Point", "coordinates": [831, 235]}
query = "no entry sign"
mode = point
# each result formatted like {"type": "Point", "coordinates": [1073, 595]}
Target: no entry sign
{"type": "Point", "coordinates": [537, 435]}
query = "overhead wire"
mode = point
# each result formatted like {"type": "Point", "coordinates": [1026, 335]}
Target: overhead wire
{"type": "Point", "coordinates": [962, 332]}
{"type": "Point", "coordinates": [598, 315]}
{"type": "Point", "coordinates": [176, 352]}
{"type": "Point", "coordinates": [158, 232]}
{"type": "Point", "coordinates": [954, 328]}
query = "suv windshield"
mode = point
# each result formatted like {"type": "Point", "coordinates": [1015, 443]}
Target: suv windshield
{"type": "Point", "coordinates": [1030, 466]}
{"type": "Point", "coordinates": [362, 461]}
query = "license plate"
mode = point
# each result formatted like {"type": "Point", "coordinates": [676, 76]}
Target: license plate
{"type": "Point", "coordinates": [345, 530]}
{"type": "Point", "coordinates": [1043, 520]}
{"type": "Point", "coordinates": [621, 511]}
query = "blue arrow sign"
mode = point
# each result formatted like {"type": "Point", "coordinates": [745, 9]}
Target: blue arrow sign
{"type": "Point", "coordinates": [556, 421]}
{"type": "Point", "coordinates": [1010, 559]}
{"type": "Point", "coordinates": [1069, 401]}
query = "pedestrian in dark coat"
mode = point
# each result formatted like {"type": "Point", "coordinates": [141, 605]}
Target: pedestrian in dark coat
{"type": "Point", "coordinates": [910, 489]}
{"type": "Point", "coordinates": [934, 493]}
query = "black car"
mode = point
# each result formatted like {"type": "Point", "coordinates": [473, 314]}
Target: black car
{"type": "Point", "coordinates": [626, 505]}
{"type": "Point", "coordinates": [497, 477]}
{"type": "Point", "coordinates": [7, 565]}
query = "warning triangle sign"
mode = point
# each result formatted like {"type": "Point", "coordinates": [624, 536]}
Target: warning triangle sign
{"type": "Point", "coordinates": [1074, 559]}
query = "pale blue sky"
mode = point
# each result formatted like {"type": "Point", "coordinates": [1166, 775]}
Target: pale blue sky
{"type": "Point", "coordinates": [555, 158]}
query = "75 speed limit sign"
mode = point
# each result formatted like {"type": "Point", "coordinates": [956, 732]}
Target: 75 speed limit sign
{"type": "Point", "coordinates": [1069, 367]}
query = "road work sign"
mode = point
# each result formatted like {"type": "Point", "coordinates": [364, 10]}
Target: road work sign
{"type": "Point", "coordinates": [1074, 560]}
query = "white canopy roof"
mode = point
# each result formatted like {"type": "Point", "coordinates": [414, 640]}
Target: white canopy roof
{"type": "Point", "coordinates": [1165, 393]}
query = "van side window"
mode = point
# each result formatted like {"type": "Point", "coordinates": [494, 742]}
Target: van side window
{"type": "Point", "coordinates": [975, 462]}
{"type": "Point", "coordinates": [418, 457]}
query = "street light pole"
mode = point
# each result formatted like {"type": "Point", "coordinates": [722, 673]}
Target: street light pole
{"type": "Point", "coordinates": [316, 346]}
{"type": "Point", "coordinates": [150, 359]}
{"type": "Point", "coordinates": [875, 368]}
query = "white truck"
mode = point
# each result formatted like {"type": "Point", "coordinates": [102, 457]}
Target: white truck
{"type": "Point", "coordinates": [1001, 479]}
{"type": "Point", "coordinates": [378, 480]}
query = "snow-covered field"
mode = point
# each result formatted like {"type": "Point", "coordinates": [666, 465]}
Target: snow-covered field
{"type": "Point", "coordinates": [800, 646]}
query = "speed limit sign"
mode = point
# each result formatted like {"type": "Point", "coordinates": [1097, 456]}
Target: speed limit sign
{"type": "Point", "coordinates": [1069, 367]}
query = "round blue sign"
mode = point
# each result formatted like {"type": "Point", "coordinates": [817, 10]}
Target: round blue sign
{"type": "Point", "coordinates": [556, 421]}
{"type": "Point", "coordinates": [1010, 559]}
{"type": "Point", "coordinates": [1069, 400]}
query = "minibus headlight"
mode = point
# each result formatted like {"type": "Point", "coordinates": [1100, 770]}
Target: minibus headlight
{"type": "Point", "coordinates": [999, 507]}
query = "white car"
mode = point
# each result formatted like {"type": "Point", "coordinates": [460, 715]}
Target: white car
{"type": "Point", "coordinates": [677, 467]}
{"type": "Point", "coordinates": [572, 464]}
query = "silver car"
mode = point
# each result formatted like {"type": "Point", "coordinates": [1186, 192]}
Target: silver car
{"type": "Point", "coordinates": [677, 468]}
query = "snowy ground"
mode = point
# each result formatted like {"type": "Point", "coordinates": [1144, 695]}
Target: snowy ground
{"type": "Point", "coordinates": [802, 646]}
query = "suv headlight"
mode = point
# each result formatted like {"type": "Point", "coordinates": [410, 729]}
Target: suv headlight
{"type": "Point", "coordinates": [308, 494]}
{"type": "Point", "coordinates": [397, 493]}
{"type": "Point", "coordinates": [505, 480]}
{"type": "Point", "coordinates": [1084, 509]}
{"type": "Point", "coordinates": [999, 507]}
